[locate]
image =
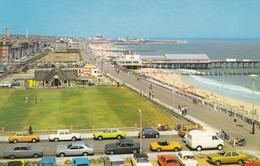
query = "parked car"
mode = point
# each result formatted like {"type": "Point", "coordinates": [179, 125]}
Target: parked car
{"type": "Point", "coordinates": [15, 83]}
{"type": "Point", "coordinates": [109, 133]}
{"type": "Point", "coordinates": [62, 135]}
{"type": "Point", "coordinates": [149, 133]}
{"type": "Point", "coordinates": [185, 129]}
{"type": "Point", "coordinates": [48, 161]}
{"type": "Point", "coordinates": [16, 163]}
{"type": "Point", "coordinates": [22, 150]}
{"type": "Point", "coordinates": [227, 157]}
{"type": "Point", "coordinates": [140, 159]}
{"type": "Point", "coordinates": [23, 137]}
{"type": "Point", "coordinates": [186, 158]}
{"type": "Point", "coordinates": [122, 146]}
{"type": "Point", "coordinates": [5, 84]}
{"type": "Point", "coordinates": [167, 160]}
{"type": "Point", "coordinates": [78, 148]}
{"type": "Point", "coordinates": [199, 140]}
{"type": "Point", "coordinates": [116, 160]}
{"type": "Point", "coordinates": [82, 161]}
{"type": "Point", "coordinates": [165, 145]}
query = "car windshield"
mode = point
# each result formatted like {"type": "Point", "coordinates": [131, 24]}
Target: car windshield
{"type": "Point", "coordinates": [82, 165]}
{"type": "Point", "coordinates": [172, 161]}
{"type": "Point", "coordinates": [87, 145]}
{"type": "Point", "coordinates": [142, 160]}
{"type": "Point", "coordinates": [189, 157]}
{"type": "Point", "coordinates": [221, 153]}
{"type": "Point", "coordinates": [15, 163]}
{"type": "Point", "coordinates": [69, 146]}
{"type": "Point", "coordinates": [118, 143]}
{"type": "Point", "coordinates": [47, 164]}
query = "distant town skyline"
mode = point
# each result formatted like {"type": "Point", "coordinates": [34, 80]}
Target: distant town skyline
{"type": "Point", "coordinates": [165, 19]}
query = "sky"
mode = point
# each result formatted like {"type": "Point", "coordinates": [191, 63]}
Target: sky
{"type": "Point", "coordinates": [164, 19]}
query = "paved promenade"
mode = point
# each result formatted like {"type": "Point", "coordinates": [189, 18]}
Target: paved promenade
{"type": "Point", "coordinates": [209, 117]}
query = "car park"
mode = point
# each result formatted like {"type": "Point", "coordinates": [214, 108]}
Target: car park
{"type": "Point", "coordinates": [227, 157]}
{"type": "Point", "coordinates": [80, 161]}
{"type": "Point", "coordinates": [115, 160]}
{"type": "Point", "coordinates": [22, 150]}
{"type": "Point", "coordinates": [48, 161]}
{"type": "Point", "coordinates": [149, 133]}
{"type": "Point", "coordinates": [109, 133]}
{"type": "Point", "coordinates": [167, 160]}
{"type": "Point", "coordinates": [16, 163]}
{"type": "Point", "coordinates": [140, 159]}
{"type": "Point", "coordinates": [122, 146]}
{"type": "Point", "coordinates": [62, 135]}
{"type": "Point", "coordinates": [165, 146]}
{"type": "Point", "coordinates": [23, 137]}
{"type": "Point", "coordinates": [186, 158]}
{"type": "Point", "coordinates": [78, 148]}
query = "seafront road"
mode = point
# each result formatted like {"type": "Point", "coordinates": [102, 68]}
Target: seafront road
{"type": "Point", "coordinates": [213, 118]}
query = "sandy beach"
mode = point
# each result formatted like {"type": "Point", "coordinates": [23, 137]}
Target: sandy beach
{"type": "Point", "coordinates": [175, 80]}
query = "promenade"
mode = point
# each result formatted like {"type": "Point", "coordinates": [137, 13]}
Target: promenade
{"type": "Point", "coordinates": [204, 115]}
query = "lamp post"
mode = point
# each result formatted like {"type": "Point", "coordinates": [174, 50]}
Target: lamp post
{"type": "Point", "coordinates": [253, 77]}
{"type": "Point", "coordinates": [141, 134]}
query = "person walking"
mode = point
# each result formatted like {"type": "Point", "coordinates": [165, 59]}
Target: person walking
{"type": "Point", "coordinates": [26, 99]}
{"type": "Point", "coordinates": [185, 110]}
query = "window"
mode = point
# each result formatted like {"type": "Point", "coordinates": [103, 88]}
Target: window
{"type": "Point", "coordinates": [67, 132]}
{"type": "Point", "coordinates": [214, 137]}
{"type": "Point", "coordinates": [74, 147]}
{"type": "Point", "coordinates": [24, 148]}
{"type": "Point", "coordinates": [228, 154]}
{"type": "Point", "coordinates": [81, 147]}
{"type": "Point", "coordinates": [235, 154]}
{"type": "Point", "coordinates": [17, 148]}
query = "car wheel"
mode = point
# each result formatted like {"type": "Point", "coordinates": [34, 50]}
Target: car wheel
{"type": "Point", "coordinates": [15, 141]}
{"type": "Point", "coordinates": [199, 148]}
{"type": "Point", "coordinates": [85, 154]}
{"type": "Point", "coordinates": [217, 163]}
{"type": "Point", "coordinates": [157, 136]}
{"type": "Point", "coordinates": [56, 139]}
{"type": "Point", "coordinates": [111, 152]}
{"type": "Point", "coordinates": [35, 156]}
{"type": "Point", "coordinates": [158, 149]}
{"type": "Point", "coordinates": [33, 140]}
{"type": "Point", "coordinates": [176, 149]}
{"type": "Point", "coordinates": [12, 157]}
{"type": "Point", "coordinates": [119, 137]}
{"type": "Point", "coordinates": [143, 136]}
{"type": "Point", "coordinates": [134, 151]}
{"type": "Point", "coordinates": [62, 155]}
{"type": "Point", "coordinates": [220, 147]}
{"type": "Point", "coordinates": [73, 139]}
{"type": "Point", "coordinates": [99, 138]}
{"type": "Point", "coordinates": [240, 162]}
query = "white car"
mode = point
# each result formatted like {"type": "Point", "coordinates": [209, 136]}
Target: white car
{"type": "Point", "coordinates": [186, 158]}
{"type": "Point", "coordinates": [5, 84]}
{"type": "Point", "coordinates": [140, 159]}
{"type": "Point", "coordinates": [63, 135]}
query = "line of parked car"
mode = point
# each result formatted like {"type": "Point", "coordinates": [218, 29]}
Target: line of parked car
{"type": "Point", "coordinates": [195, 139]}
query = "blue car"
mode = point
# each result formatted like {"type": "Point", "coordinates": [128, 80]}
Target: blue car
{"type": "Point", "coordinates": [82, 161]}
{"type": "Point", "coordinates": [48, 161]}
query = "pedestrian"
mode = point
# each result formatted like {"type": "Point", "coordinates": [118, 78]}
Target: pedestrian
{"type": "Point", "coordinates": [179, 107]}
{"type": "Point", "coordinates": [117, 84]}
{"type": "Point", "coordinates": [185, 110]}
{"type": "Point", "coordinates": [182, 110]}
{"type": "Point", "coordinates": [26, 99]}
{"type": "Point", "coordinates": [30, 129]}
{"type": "Point", "coordinates": [35, 100]}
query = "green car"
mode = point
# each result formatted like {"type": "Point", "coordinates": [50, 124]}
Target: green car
{"type": "Point", "coordinates": [122, 146]}
{"type": "Point", "coordinates": [109, 133]}
{"type": "Point", "coordinates": [227, 157]}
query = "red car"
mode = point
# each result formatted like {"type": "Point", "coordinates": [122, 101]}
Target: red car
{"type": "Point", "coordinates": [167, 160]}
{"type": "Point", "coordinates": [253, 164]}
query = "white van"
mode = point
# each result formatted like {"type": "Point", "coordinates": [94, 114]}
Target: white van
{"type": "Point", "coordinates": [199, 140]}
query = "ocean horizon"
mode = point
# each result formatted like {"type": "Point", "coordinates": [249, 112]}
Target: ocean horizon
{"type": "Point", "coordinates": [234, 86]}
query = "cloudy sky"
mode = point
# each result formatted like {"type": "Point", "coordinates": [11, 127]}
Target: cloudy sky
{"type": "Point", "coordinates": [171, 19]}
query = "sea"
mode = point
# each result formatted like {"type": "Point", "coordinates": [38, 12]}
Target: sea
{"type": "Point", "coordinates": [234, 86]}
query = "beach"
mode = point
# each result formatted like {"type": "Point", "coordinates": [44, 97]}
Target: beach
{"type": "Point", "coordinates": [170, 78]}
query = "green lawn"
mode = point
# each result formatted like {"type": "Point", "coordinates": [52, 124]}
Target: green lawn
{"type": "Point", "coordinates": [102, 107]}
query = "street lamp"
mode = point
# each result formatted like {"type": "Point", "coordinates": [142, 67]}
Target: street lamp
{"type": "Point", "coordinates": [253, 77]}
{"type": "Point", "coordinates": [141, 134]}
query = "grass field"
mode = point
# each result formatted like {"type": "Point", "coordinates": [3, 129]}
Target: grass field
{"type": "Point", "coordinates": [102, 107]}
{"type": "Point", "coordinates": [61, 57]}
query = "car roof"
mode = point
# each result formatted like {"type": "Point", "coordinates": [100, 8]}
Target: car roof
{"type": "Point", "coordinates": [169, 156]}
{"type": "Point", "coordinates": [80, 160]}
{"type": "Point", "coordinates": [47, 159]}
{"type": "Point", "coordinates": [78, 143]}
{"type": "Point", "coordinates": [21, 144]}
{"type": "Point", "coordinates": [115, 158]}
{"type": "Point", "coordinates": [141, 155]}
{"type": "Point", "coordinates": [126, 140]}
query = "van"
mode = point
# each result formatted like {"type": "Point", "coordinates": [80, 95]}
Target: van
{"type": "Point", "coordinates": [199, 140]}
